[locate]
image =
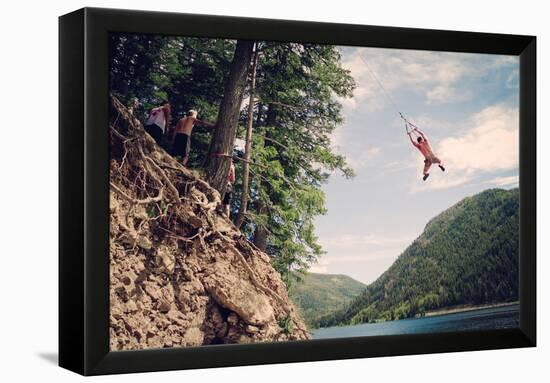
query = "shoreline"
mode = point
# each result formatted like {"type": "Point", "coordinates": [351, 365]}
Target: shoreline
{"type": "Point", "coordinates": [434, 313]}
{"type": "Point", "coordinates": [459, 309]}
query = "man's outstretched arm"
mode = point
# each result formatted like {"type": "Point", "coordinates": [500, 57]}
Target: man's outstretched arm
{"type": "Point", "coordinates": [421, 134]}
{"type": "Point", "coordinates": [206, 124]}
{"type": "Point", "coordinates": [410, 138]}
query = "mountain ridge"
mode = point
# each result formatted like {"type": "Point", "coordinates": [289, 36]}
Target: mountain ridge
{"type": "Point", "coordinates": [316, 295]}
{"type": "Point", "coordinates": [468, 254]}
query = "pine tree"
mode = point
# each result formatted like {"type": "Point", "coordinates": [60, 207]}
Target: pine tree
{"type": "Point", "coordinates": [297, 86]}
{"type": "Point", "coordinates": [217, 165]}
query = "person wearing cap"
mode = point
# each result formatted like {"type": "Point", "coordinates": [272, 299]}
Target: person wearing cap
{"type": "Point", "coordinates": [181, 137]}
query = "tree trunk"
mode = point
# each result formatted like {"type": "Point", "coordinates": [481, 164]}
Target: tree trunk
{"type": "Point", "coordinates": [248, 146]}
{"type": "Point", "coordinates": [261, 233]}
{"type": "Point", "coordinates": [223, 138]}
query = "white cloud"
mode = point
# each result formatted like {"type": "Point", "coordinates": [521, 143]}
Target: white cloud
{"type": "Point", "coordinates": [444, 181]}
{"type": "Point", "coordinates": [512, 82]}
{"type": "Point", "coordinates": [436, 76]}
{"type": "Point", "coordinates": [346, 241]}
{"type": "Point", "coordinates": [336, 139]}
{"type": "Point", "coordinates": [321, 267]}
{"type": "Point", "coordinates": [363, 160]}
{"type": "Point", "coordinates": [363, 257]}
{"type": "Point", "coordinates": [509, 181]}
{"type": "Point", "coordinates": [491, 144]}
{"type": "Point", "coordinates": [488, 144]}
{"type": "Point", "coordinates": [445, 93]}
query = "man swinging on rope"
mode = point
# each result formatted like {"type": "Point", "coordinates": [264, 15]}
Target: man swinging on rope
{"type": "Point", "coordinates": [423, 145]}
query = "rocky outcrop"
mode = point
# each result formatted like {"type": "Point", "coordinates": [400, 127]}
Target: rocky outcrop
{"type": "Point", "coordinates": [180, 273]}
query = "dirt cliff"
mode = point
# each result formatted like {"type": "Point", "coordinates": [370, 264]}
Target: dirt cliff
{"type": "Point", "coordinates": [180, 273]}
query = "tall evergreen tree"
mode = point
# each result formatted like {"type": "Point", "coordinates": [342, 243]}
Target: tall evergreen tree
{"type": "Point", "coordinates": [248, 143]}
{"type": "Point", "coordinates": [295, 110]}
{"type": "Point", "coordinates": [217, 166]}
{"type": "Point", "coordinates": [298, 109]}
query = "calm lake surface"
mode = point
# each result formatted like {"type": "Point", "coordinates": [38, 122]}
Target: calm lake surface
{"type": "Point", "coordinates": [482, 319]}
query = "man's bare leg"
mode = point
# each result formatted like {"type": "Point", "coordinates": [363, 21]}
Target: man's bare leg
{"type": "Point", "coordinates": [439, 163]}
{"type": "Point", "coordinates": [426, 170]}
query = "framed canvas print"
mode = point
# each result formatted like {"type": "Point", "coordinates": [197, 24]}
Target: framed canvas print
{"type": "Point", "coordinates": [243, 191]}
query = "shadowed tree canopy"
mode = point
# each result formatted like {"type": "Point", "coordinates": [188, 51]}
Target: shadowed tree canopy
{"type": "Point", "coordinates": [189, 72]}
{"type": "Point", "coordinates": [294, 113]}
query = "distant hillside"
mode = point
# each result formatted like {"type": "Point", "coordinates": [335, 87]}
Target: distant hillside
{"type": "Point", "coordinates": [320, 294]}
{"type": "Point", "coordinates": [466, 255]}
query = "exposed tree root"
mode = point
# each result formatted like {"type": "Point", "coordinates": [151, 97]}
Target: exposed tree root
{"type": "Point", "coordinates": [181, 272]}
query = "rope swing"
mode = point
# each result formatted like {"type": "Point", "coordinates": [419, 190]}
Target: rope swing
{"type": "Point", "coordinates": [410, 128]}
{"type": "Point", "coordinates": [419, 141]}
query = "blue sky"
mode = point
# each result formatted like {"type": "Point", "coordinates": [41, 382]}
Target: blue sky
{"type": "Point", "coordinates": [467, 104]}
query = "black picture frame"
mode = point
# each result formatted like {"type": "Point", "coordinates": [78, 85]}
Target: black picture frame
{"type": "Point", "coordinates": [84, 191]}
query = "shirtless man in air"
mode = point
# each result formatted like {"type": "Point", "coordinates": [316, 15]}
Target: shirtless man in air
{"type": "Point", "coordinates": [424, 147]}
{"type": "Point", "coordinates": [181, 138]}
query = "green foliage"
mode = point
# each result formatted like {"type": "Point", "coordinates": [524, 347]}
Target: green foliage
{"type": "Point", "coordinates": [188, 72]}
{"type": "Point", "coordinates": [286, 324]}
{"type": "Point", "coordinates": [467, 255]}
{"type": "Point", "coordinates": [366, 314]}
{"type": "Point", "coordinates": [151, 208]}
{"type": "Point", "coordinates": [296, 111]}
{"type": "Point", "coordinates": [317, 295]}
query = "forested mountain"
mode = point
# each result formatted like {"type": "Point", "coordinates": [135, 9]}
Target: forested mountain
{"type": "Point", "coordinates": [317, 295]}
{"type": "Point", "coordinates": [466, 255]}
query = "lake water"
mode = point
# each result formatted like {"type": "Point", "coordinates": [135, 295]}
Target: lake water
{"type": "Point", "coordinates": [482, 319]}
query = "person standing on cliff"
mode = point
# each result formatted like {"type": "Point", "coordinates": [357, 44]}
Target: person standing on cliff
{"type": "Point", "coordinates": [181, 137]}
{"type": "Point", "coordinates": [158, 121]}
{"type": "Point", "coordinates": [226, 203]}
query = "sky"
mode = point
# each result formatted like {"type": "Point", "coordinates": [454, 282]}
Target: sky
{"type": "Point", "coordinates": [467, 104]}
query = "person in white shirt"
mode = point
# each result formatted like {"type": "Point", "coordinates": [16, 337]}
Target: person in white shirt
{"type": "Point", "coordinates": [226, 202]}
{"type": "Point", "coordinates": [158, 122]}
